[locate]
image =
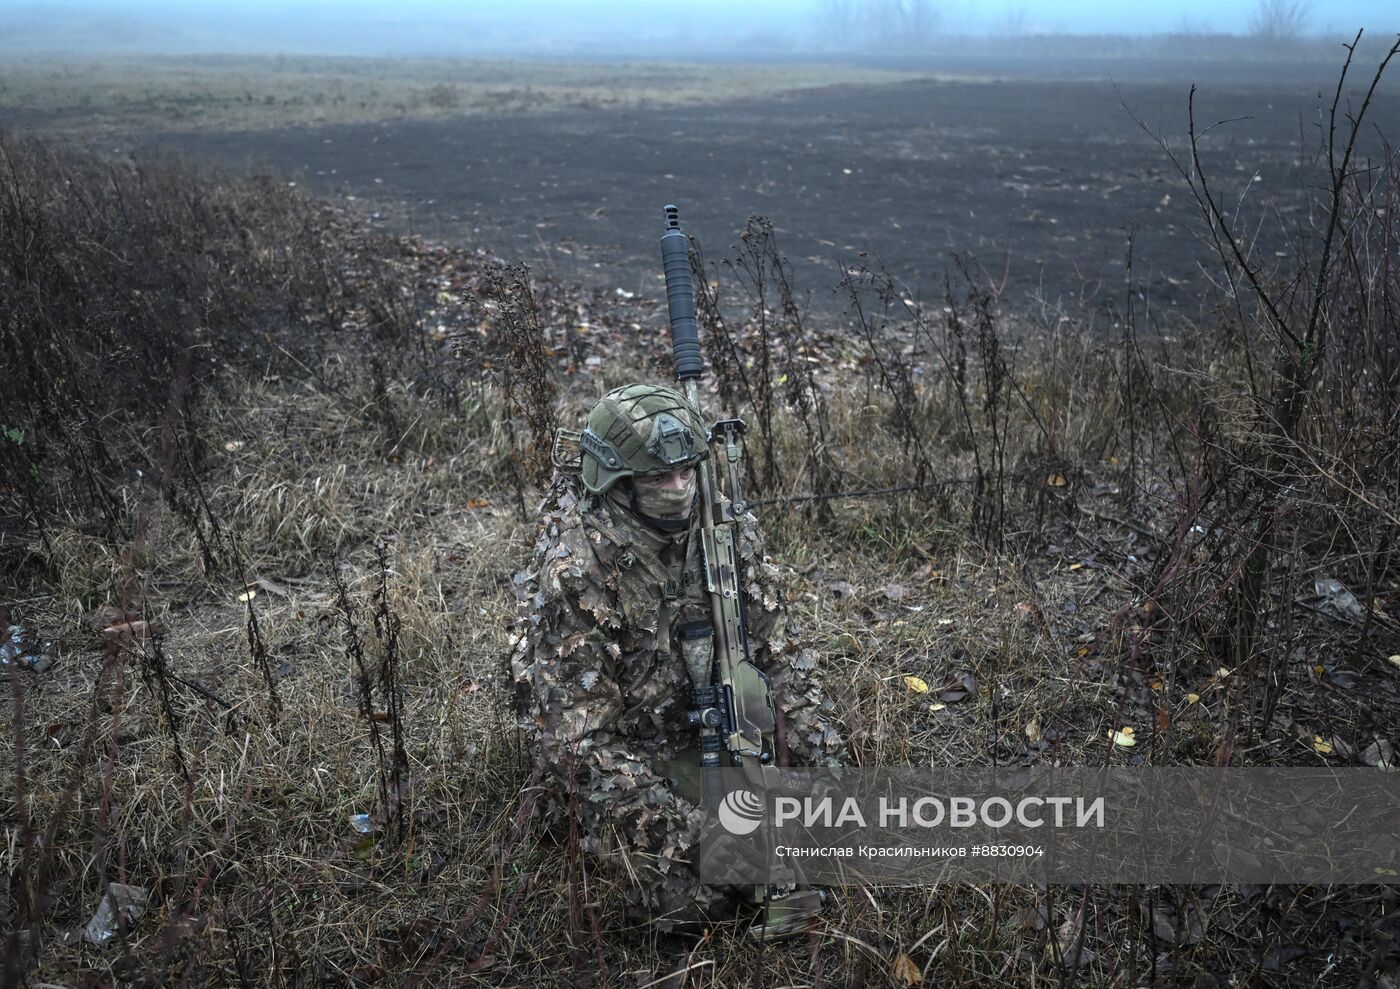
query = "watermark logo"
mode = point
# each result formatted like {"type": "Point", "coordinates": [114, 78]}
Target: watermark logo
{"type": "Point", "coordinates": [741, 812]}
{"type": "Point", "coordinates": [930, 825]}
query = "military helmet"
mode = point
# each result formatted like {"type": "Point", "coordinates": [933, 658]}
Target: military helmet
{"type": "Point", "coordinates": [638, 431]}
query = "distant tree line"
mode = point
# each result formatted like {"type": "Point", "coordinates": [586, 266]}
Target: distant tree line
{"type": "Point", "coordinates": [888, 24]}
{"type": "Point", "coordinates": [1279, 21]}
{"type": "Point", "coordinates": [910, 25]}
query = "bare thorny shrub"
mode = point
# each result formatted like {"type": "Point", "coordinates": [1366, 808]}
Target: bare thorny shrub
{"type": "Point", "coordinates": [120, 274]}
{"type": "Point", "coordinates": [961, 437]}
{"type": "Point", "coordinates": [525, 374]}
{"type": "Point", "coordinates": [770, 363]}
{"type": "Point", "coordinates": [379, 692]}
{"type": "Point", "coordinates": [1290, 484]}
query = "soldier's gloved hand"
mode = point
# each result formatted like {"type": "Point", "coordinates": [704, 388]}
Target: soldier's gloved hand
{"type": "Point", "coordinates": [721, 858]}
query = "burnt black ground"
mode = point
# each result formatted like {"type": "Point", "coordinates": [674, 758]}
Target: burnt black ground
{"type": "Point", "coordinates": [1038, 179]}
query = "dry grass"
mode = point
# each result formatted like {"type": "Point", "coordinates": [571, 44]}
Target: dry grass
{"type": "Point", "coordinates": [256, 872]}
{"type": "Point", "coordinates": [103, 95]}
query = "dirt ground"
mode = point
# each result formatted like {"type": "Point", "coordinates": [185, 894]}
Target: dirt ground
{"type": "Point", "coordinates": [1039, 179]}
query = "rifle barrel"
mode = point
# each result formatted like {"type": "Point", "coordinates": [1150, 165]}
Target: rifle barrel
{"type": "Point", "coordinates": [680, 299]}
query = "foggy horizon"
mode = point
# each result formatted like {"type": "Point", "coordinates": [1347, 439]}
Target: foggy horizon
{"type": "Point", "coordinates": [629, 28]}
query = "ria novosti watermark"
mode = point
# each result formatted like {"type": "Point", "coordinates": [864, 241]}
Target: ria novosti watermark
{"type": "Point", "coordinates": [1055, 825]}
{"type": "Point", "coordinates": [934, 812]}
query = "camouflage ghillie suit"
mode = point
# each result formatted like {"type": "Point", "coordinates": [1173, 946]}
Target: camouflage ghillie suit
{"type": "Point", "coordinates": [603, 691]}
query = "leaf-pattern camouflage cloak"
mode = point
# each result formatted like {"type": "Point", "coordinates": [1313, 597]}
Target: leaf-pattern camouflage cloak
{"type": "Point", "coordinates": [603, 692]}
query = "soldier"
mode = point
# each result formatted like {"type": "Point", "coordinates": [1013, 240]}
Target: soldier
{"type": "Point", "coordinates": [601, 686]}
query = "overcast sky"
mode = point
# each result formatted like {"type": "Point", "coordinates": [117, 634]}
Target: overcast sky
{"type": "Point", "coordinates": [622, 26]}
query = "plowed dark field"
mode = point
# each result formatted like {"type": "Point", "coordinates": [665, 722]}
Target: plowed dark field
{"type": "Point", "coordinates": [1038, 180]}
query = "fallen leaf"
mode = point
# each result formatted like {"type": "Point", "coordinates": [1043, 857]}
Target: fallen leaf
{"type": "Point", "coordinates": [120, 906]}
{"type": "Point", "coordinates": [841, 588]}
{"type": "Point", "coordinates": [233, 446]}
{"type": "Point", "coordinates": [1124, 738]}
{"type": "Point", "coordinates": [1222, 673]}
{"type": "Point", "coordinates": [1395, 660]}
{"type": "Point", "coordinates": [1337, 598]}
{"type": "Point", "coordinates": [904, 972]}
{"type": "Point", "coordinates": [248, 595]}
{"type": "Point", "coordinates": [1076, 566]}
{"type": "Point", "coordinates": [937, 707]}
{"type": "Point", "coordinates": [1032, 728]}
{"type": "Point", "coordinates": [1056, 481]}
{"type": "Point", "coordinates": [272, 587]}
{"type": "Point", "coordinates": [1193, 698]}
{"type": "Point", "coordinates": [1345, 679]}
{"type": "Point", "coordinates": [112, 615]}
{"type": "Point", "coordinates": [1379, 754]}
{"type": "Point", "coordinates": [1165, 921]}
{"type": "Point", "coordinates": [478, 503]}
{"type": "Point", "coordinates": [958, 687]}
{"type": "Point", "coordinates": [1279, 957]}
{"type": "Point", "coordinates": [1320, 746]}
{"type": "Point", "coordinates": [1341, 748]}
{"type": "Point", "coordinates": [130, 630]}
{"type": "Point", "coordinates": [1074, 953]}
{"type": "Point", "coordinates": [1031, 918]}
{"type": "Point", "coordinates": [916, 684]}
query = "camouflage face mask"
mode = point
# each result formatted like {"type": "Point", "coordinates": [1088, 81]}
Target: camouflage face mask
{"type": "Point", "coordinates": [665, 503]}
